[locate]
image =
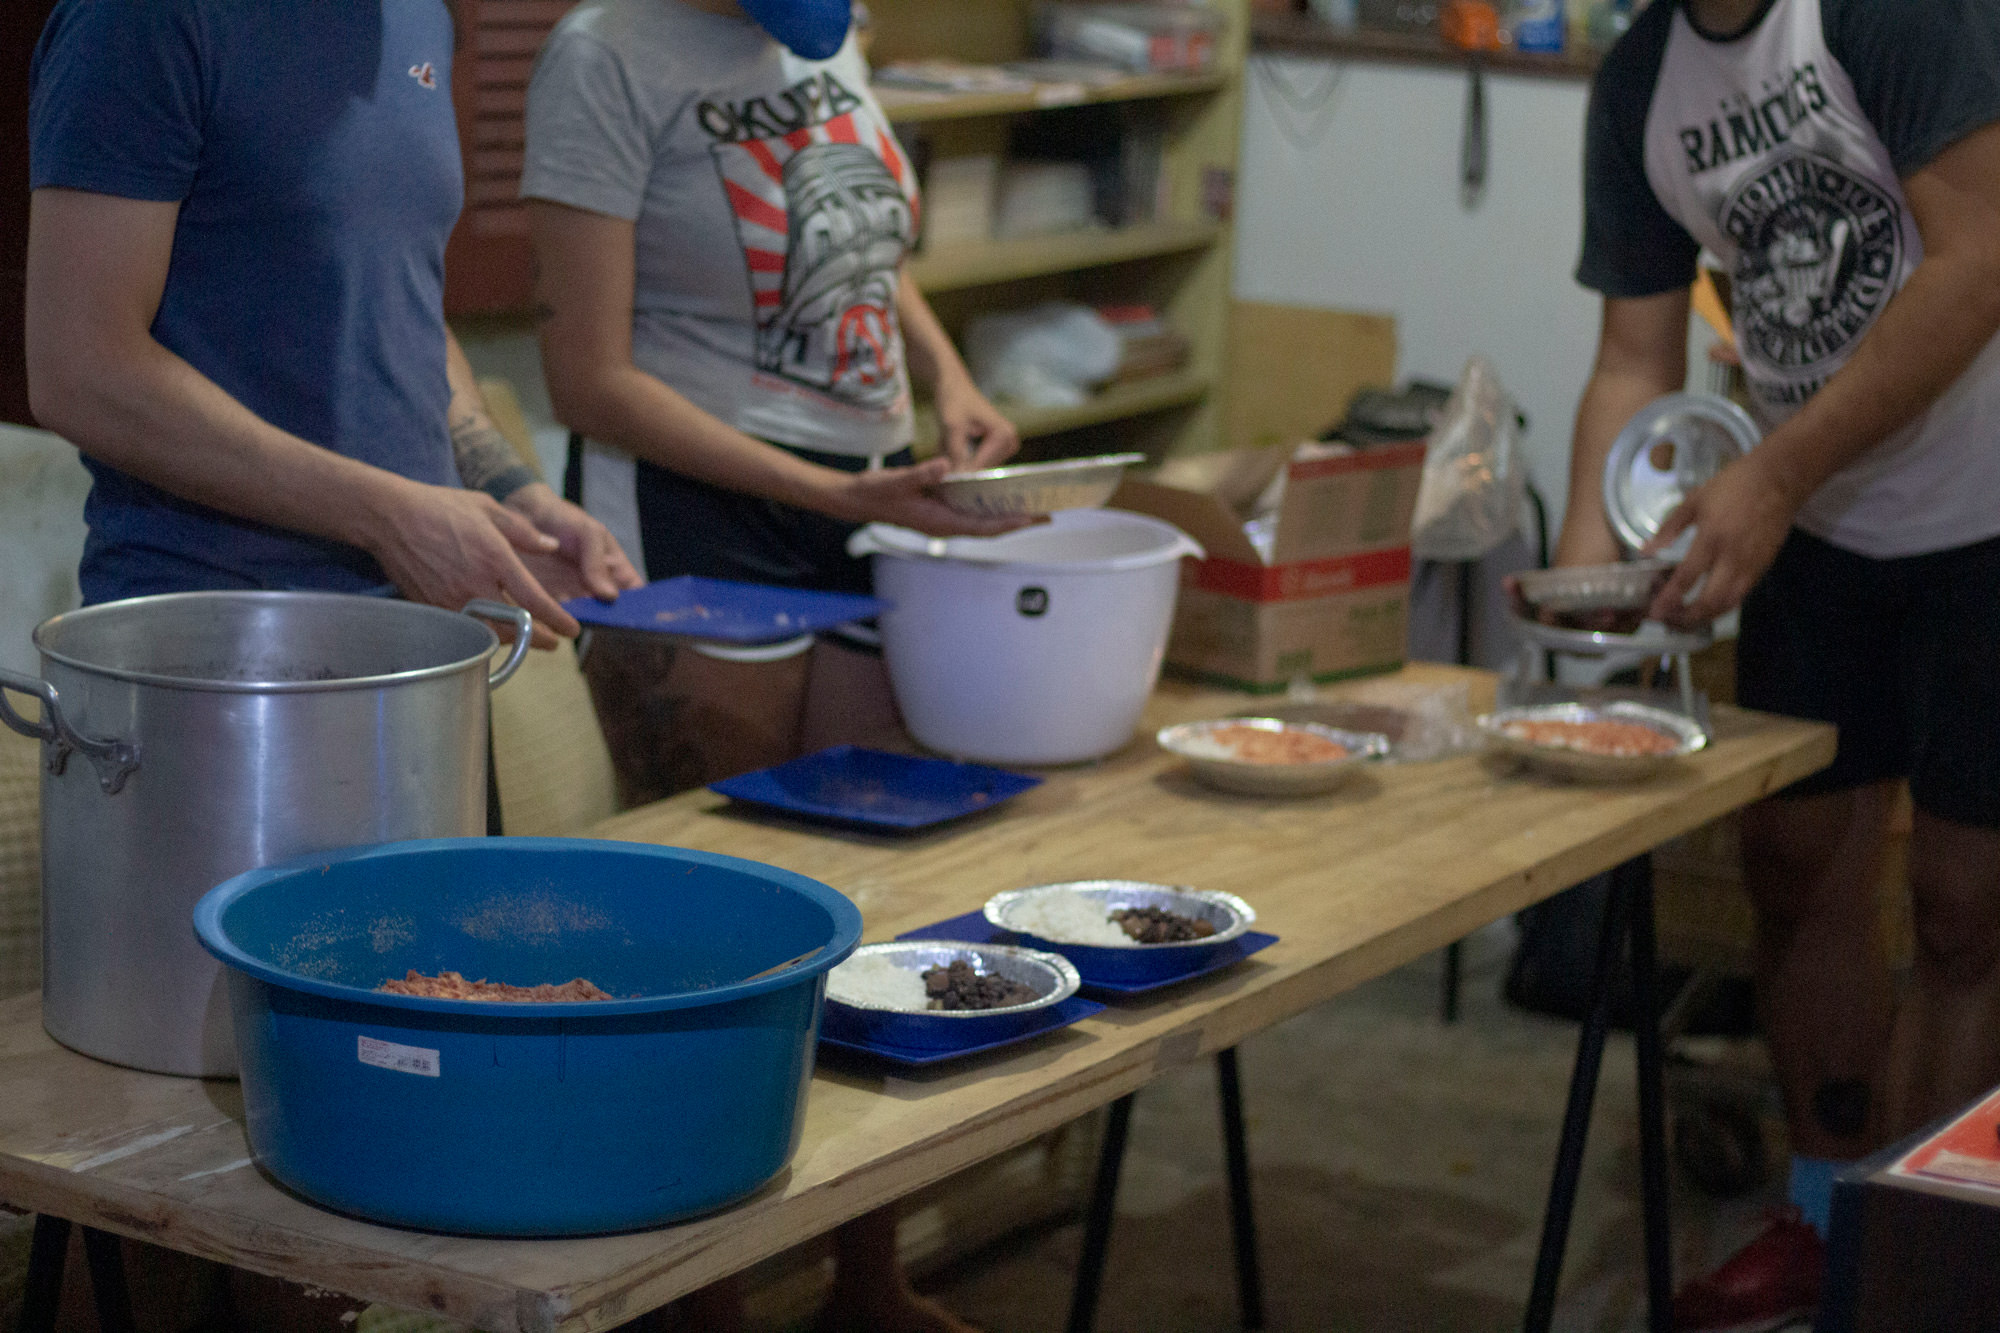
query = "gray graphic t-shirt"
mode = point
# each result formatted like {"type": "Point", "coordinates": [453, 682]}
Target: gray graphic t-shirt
{"type": "Point", "coordinates": [1782, 151]}
{"type": "Point", "coordinates": [773, 209]}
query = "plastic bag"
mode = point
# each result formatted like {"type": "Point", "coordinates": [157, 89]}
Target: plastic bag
{"type": "Point", "coordinates": [1048, 356]}
{"type": "Point", "coordinates": [1475, 479]}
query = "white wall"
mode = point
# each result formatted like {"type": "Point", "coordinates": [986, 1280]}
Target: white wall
{"type": "Point", "coordinates": [1349, 199]}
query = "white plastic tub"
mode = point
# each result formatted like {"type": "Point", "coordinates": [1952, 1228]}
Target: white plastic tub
{"type": "Point", "coordinates": [1038, 647]}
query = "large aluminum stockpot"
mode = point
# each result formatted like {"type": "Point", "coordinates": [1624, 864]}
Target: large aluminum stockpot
{"type": "Point", "coordinates": [190, 737]}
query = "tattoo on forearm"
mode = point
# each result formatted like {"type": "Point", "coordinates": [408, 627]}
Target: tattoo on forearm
{"type": "Point", "coordinates": [486, 462]}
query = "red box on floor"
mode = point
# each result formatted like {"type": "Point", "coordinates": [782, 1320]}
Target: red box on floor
{"type": "Point", "coordinates": [1916, 1233]}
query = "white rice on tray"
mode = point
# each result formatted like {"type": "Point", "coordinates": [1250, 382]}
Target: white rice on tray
{"type": "Point", "coordinates": [1067, 916]}
{"type": "Point", "coordinates": [1203, 746]}
{"type": "Point", "coordinates": [874, 982]}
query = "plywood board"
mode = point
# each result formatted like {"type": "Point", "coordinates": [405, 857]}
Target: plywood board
{"type": "Point", "coordinates": [1292, 369]}
{"type": "Point", "coordinates": [1401, 861]}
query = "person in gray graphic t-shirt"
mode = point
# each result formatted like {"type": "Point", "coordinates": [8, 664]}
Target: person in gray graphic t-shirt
{"type": "Point", "coordinates": [720, 223]}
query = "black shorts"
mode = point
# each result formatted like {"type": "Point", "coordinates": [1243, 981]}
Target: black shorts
{"type": "Point", "coordinates": [1903, 655]}
{"type": "Point", "coordinates": [690, 527]}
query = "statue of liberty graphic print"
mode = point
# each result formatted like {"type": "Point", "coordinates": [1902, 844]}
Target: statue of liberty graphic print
{"type": "Point", "coordinates": [825, 209]}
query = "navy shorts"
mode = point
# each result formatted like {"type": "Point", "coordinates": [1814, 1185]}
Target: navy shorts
{"type": "Point", "coordinates": [1903, 655]}
{"type": "Point", "coordinates": [691, 527]}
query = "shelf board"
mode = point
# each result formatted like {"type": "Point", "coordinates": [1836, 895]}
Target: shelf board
{"type": "Point", "coordinates": [906, 106]}
{"type": "Point", "coordinates": [1304, 35]}
{"type": "Point", "coordinates": [1120, 401]}
{"type": "Point", "coordinates": [950, 268]}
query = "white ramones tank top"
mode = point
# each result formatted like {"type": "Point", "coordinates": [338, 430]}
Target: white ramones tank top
{"type": "Point", "coordinates": [1759, 147]}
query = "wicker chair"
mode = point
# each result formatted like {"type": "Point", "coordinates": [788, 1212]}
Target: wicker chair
{"type": "Point", "coordinates": [20, 864]}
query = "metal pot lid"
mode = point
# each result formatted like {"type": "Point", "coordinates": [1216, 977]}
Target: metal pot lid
{"type": "Point", "coordinates": [1671, 447]}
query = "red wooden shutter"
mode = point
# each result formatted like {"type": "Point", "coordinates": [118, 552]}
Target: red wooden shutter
{"type": "Point", "coordinates": [20, 27]}
{"type": "Point", "coordinates": [487, 265]}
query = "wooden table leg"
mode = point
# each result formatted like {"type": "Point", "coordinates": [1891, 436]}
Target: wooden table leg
{"type": "Point", "coordinates": [1242, 1218]}
{"type": "Point", "coordinates": [1097, 1222]}
{"type": "Point", "coordinates": [48, 1253]}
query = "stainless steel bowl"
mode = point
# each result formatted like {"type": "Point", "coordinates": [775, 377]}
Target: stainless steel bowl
{"type": "Point", "coordinates": [1562, 761]}
{"type": "Point", "coordinates": [1230, 915]}
{"type": "Point", "coordinates": [1049, 975]}
{"type": "Point", "coordinates": [1029, 489]}
{"type": "Point", "coordinates": [1189, 741]}
{"type": "Point", "coordinates": [1628, 586]}
{"type": "Point", "coordinates": [1673, 445]}
{"type": "Point", "coordinates": [1126, 965]}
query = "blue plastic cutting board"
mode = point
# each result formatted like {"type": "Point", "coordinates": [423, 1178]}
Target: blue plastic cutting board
{"type": "Point", "coordinates": [875, 788]}
{"type": "Point", "coordinates": [974, 928]}
{"type": "Point", "coordinates": [1056, 1016]}
{"type": "Point", "coordinates": [699, 608]}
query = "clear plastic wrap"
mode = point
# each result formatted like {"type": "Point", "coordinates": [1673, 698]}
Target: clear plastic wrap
{"type": "Point", "coordinates": [1475, 478]}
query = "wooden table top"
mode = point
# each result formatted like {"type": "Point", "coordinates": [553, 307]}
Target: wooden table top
{"type": "Point", "coordinates": [1401, 861]}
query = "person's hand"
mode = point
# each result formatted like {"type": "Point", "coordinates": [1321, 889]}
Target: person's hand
{"type": "Point", "coordinates": [902, 496]}
{"type": "Point", "coordinates": [588, 561]}
{"type": "Point", "coordinates": [976, 434]}
{"type": "Point", "coordinates": [445, 546]}
{"type": "Point", "coordinates": [1740, 517]}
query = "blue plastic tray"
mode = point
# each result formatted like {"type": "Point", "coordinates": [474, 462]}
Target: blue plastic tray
{"type": "Point", "coordinates": [974, 928]}
{"type": "Point", "coordinates": [698, 608]}
{"type": "Point", "coordinates": [876, 789]}
{"type": "Point", "coordinates": [1046, 1020]}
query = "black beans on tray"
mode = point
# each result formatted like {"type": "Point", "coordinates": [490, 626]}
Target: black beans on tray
{"type": "Point", "coordinates": [957, 986]}
{"type": "Point", "coordinates": [1156, 925]}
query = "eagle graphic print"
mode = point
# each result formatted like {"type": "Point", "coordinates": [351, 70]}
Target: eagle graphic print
{"type": "Point", "coordinates": [826, 208]}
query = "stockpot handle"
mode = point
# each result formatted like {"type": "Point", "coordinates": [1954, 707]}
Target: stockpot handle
{"type": "Point", "coordinates": [524, 633]}
{"type": "Point", "coordinates": [114, 760]}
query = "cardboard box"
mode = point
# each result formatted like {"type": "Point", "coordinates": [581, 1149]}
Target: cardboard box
{"type": "Point", "coordinates": [1292, 371]}
{"type": "Point", "coordinates": [1333, 599]}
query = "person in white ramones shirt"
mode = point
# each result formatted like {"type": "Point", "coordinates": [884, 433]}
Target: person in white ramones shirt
{"type": "Point", "coordinates": [1842, 159]}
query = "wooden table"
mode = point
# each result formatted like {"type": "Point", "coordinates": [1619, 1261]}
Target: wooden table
{"type": "Point", "coordinates": [1402, 860]}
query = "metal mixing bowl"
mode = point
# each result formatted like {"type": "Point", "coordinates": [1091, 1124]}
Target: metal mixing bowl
{"type": "Point", "coordinates": [1563, 761]}
{"type": "Point", "coordinates": [1052, 977]}
{"type": "Point", "coordinates": [1628, 586]}
{"type": "Point", "coordinates": [1135, 962]}
{"type": "Point", "coordinates": [1036, 488]}
{"type": "Point", "coordinates": [1250, 779]}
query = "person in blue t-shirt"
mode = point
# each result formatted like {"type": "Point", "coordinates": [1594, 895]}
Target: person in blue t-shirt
{"type": "Point", "coordinates": [235, 312]}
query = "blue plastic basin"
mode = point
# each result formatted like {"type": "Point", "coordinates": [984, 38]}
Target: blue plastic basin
{"type": "Point", "coordinates": [677, 1098]}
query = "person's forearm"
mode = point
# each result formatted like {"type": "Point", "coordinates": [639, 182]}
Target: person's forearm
{"type": "Point", "coordinates": [1610, 400]}
{"type": "Point", "coordinates": [631, 410]}
{"type": "Point", "coordinates": [1926, 337]}
{"type": "Point", "coordinates": [148, 413]}
{"type": "Point", "coordinates": [484, 458]}
{"type": "Point", "coordinates": [928, 347]}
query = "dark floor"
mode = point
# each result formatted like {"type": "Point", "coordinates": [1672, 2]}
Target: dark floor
{"type": "Point", "coordinates": [1400, 1170]}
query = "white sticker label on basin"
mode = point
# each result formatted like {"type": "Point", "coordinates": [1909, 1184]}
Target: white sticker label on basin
{"type": "Point", "coordinates": [403, 1059]}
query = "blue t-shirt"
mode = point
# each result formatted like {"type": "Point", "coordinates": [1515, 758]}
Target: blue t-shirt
{"type": "Point", "coordinates": [313, 151]}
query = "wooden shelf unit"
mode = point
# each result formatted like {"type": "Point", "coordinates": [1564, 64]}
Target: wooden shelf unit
{"type": "Point", "coordinates": [1119, 402]}
{"type": "Point", "coordinates": [1179, 262]}
{"type": "Point", "coordinates": [957, 267]}
{"type": "Point", "coordinates": [909, 106]}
